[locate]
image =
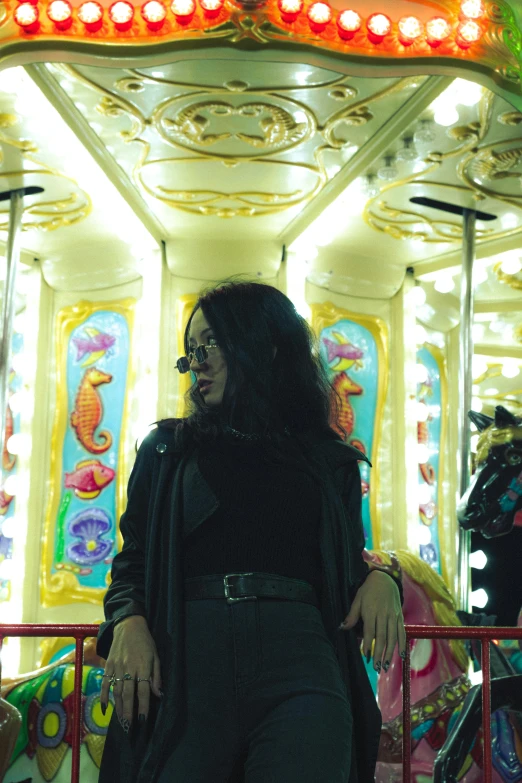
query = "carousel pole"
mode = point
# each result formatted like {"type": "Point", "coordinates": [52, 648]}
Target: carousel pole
{"type": "Point", "coordinates": [465, 384]}
{"type": "Point", "coordinates": [8, 301]}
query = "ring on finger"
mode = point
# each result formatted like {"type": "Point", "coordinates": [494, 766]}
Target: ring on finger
{"type": "Point", "coordinates": [143, 679]}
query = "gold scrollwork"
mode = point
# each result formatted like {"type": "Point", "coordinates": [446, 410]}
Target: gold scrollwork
{"type": "Point", "coordinates": [213, 202]}
{"type": "Point", "coordinates": [184, 121]}
{"type": "Point", "coordinates": [504, 34]}
{"type": "Point", "coordinates": [49, 215]}
{"type": "Point", "coordinates": [190, 125]}
{"type": "Point", "coordinates": [514, 282]}
{"type": "Point", "coordinates": [480, 162]}
{"type": "Point", "coordinates": [510, 118]}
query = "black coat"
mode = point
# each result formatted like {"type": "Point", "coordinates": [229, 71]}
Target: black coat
{"type": "Point", "coordinates": [147, 579]}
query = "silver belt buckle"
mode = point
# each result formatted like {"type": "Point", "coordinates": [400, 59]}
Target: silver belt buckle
{"type": "Point", "coordinates": [229, 598]}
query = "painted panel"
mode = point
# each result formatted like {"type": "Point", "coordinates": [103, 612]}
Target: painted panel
{"type": "Point", "coordinates": [87, 487]}
{"type": "Point", "coordinates": [354, 347]}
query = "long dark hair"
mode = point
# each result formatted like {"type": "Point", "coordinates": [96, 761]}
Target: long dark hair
{"type": "Point", "coordinates": [263, 395]}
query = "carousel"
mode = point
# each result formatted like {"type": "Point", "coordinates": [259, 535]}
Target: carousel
{"type": "Point", "coordinates": [366, 159]}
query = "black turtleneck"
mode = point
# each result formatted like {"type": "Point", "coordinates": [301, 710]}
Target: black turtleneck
{"type": "Point", "coordinates": [267, 520]}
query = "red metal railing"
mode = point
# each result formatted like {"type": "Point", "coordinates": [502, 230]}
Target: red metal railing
{"type": "Point", "coordinates": [79, 632]}
{"type": "Point", "coordinates": [485, 634]}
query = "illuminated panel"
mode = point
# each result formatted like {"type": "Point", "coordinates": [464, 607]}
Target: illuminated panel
{"type": "Point", "coordinates": [468, 33]}
{"type": "Point", "coordinates": [410, 28]}
{"type": "Point", "coordinates": [154, 13]}
{"type": "Point", "coordinates": [437, 30]}
{"type": "Point", "coordinates": [212, 8]}
{"type": "Point", "coordinates": [290, 9]}
{"type": "Point", "coordinates": [319, 15]}
{"type": "Point", "coordinates": [183, 10]}
{"type": "Point", "coordinates": [472, 9]}
{"type": "Point", "coordinates": [378, 25]}
{"type": "Point", "coordinates": [348, 23]}
{"type": "Point", "coordinates": [91, 14]}
{"type": "Point", "coordinates": [26, 16]}
{"type": "Point", "coordinates": [121, 13]}
{"type": "Point", "coordinates": [60, 12]}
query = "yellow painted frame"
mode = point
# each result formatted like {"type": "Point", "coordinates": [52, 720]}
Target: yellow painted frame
{"type": "Point", "coordinates": [327, 314]}
{"type": "Point", "coordinates": [64, 588]}
{"type": "Point", "coordinates": [440, 358]}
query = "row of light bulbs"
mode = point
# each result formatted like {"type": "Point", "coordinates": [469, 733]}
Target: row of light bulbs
{"type": "Point", "coordinates": [121, 14]}
{"type": "Point", "coordinates": [445, 113]}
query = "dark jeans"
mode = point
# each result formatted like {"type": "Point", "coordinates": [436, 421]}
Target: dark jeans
{"type": "Point", "coordinates": [263, 682]}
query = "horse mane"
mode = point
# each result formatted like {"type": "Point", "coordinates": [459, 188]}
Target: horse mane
{"type": "Point", "coordinates": [493, 436]}
{"type": "Point", "coordinates": [433, 585]}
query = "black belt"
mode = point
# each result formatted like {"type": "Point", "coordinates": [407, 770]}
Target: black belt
{"type": "Point", "coordinates": [249, 587]}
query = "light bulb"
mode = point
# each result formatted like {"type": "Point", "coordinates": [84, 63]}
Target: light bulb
{"type": "Point", "coordinates": [408, 151]}
{"type": "Point", "coordinates": [6, 569]}
{"type": "Point", "coordinates": [480, 274]}
{"type": "Point", "coordinates": [444, 283]}
{"type": "Point", "coordinates": [510, 368]}
{"type": "Point", "coordinates": [423, 535]}
{"type": "Point", "coordinates": [479, 365]}
{"type": "Point", "coordinates": [472, 9]}
{"type": "Point", "coordinates": [424, 494]}
{"type": "Point", "coordinates": [467, 93]}
{"type": "Point", "coordinates": [422, 411]}
{"type": "Point", "coordinates": [11, 485]}
{"type": "Point", "coordinates": [509, 220]}
{"type": "Point", "coordinates": [478, 559]}
{"type": "Point", "coordinates": [511, 265]}
{"type": "Point", "coordinates": [446, 116]}
{"type": "Point", "coordinates": [19, 443]}
{"type": "Point", "coordinates": [425, 133]}
{"type": "Point", "coordinates": [370, 187]}
{"type": "Point", "coordinates": [473, 442]}
{"type": "Point", "coordinates": [421, 373]}
{"type": "Point", "coordinates": [388, 172]}
{"type": "Point", "coordinates": [418, 296]}
{"type": "Point", "coordinates": [479, 598]}
{"type": "Point", "coordinates": [9, 527]}
{"type": "Point", "coordinates": [476, 404]}
{"type": "Point", "coordinates": [478, 331]}
{"type": "Point", "coordinates": [497, 326]}
{"type": "Point", "coordinates": [423, 453]}
{"type": "Point", "coordinates": [491, 392]}
{"type": "Point", "coordinates": [420, 334]}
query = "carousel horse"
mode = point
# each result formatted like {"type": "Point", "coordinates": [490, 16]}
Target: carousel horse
{"type": "Point", "coordinates": [495, 493]}
{"type": "Point", "coordinates": [439, 686]}
{"type": "Point", "coordinates": [42, 750]}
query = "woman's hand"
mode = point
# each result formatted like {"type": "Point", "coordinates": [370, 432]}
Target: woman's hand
{"type": "Point", "coordinates": [378, 603]}
{"type": "Point", "coordinates": [132, 652]}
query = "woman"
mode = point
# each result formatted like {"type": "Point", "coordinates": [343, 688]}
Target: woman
{"type": "Point", "coordinates": [241, 555]}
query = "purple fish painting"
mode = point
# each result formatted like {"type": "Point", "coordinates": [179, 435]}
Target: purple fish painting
{"type": "Point", "coordinates": [96, 344]}
{"type": "Point", "coordinates": [346, 353]}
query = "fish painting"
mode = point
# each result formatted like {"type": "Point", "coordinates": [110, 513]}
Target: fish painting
{"type": "Point", "coordinates": [8, 460]}
{"type": "Point", "coordinates": [96, 344]}
{"type": "Point", "coordinates": [346, 353]}
{"type": "Point", "coordinates": [5, 502]}
{"type": "Point", "coordinates": [89, 478]}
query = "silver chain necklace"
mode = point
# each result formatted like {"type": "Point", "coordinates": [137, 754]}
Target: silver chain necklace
{"type": "Point", "coordinates": [249, 436]}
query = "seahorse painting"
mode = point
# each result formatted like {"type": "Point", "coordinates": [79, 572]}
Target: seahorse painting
{"type": "Point", "coordinates": [427, 470]}
{"type": "Point", "coordinates": [8, 460]}
{"type": "Point", "coordinates": [345, 387]}
{"type": "Point", "coordinates": [89, 411]}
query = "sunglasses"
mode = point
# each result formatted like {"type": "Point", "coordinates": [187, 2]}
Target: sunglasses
{"type": "Point", "coordinates": [201, 354]}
